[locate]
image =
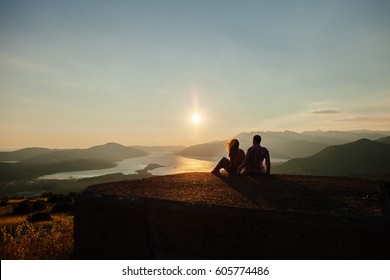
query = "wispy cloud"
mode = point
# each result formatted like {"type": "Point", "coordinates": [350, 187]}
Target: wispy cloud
{"type": "Point", "coordinates": [377, 119]}
{"type": "Point", "coordinates": [22, 63]}
{"type": "Point", "coordinates": [324, 112]}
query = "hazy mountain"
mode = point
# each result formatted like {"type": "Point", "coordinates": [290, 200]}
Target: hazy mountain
{"type": "Point", "coordinates": [291, 144]}
{"type": "Point", "coordinates": [23, 154]}
{"type": "Point", "coordinates": [385, 140]}
{"type": "Point", "coordinates": [35, 162]}
{"type": "Point", "coordinates": [109, 152]}
{"type": "Point", "coordinates": [343, 137]}
{"type": "Point", "coordinates": [160, 149]}
{"type": "Point", "coordinates": [285, 145]}
{"type": "Point", "coordinates": [362, 158]}
{"type": "Point", "coordinates": [215, 149]}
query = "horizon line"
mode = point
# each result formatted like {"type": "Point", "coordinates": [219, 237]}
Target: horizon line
{"type": "Point", "coordinates": [209, 141]}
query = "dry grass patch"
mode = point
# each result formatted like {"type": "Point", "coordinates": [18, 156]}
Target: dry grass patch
{"type": "Point", "coordinates": [38, 241]}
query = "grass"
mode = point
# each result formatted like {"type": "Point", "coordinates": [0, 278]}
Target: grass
{"type": "Point", "coordinates": [23, 240]}
{"type": "Point", "coordinates": [38, 241]}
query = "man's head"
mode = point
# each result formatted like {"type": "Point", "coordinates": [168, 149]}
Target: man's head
{"type": "Point", "coordinates": [256, 139]}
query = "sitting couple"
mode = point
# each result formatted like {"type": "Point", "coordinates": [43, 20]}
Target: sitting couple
{"type": "Point", "coordinates": [252, 162]}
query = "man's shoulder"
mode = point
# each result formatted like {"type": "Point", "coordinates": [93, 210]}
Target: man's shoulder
{"type": "Point", "coordinates": [252, 148]}
{"type": "Point", "coordinates": [264, 150]}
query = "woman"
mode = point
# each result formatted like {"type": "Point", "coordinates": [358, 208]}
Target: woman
{"type": "Point", "coordinates": [236, 156]}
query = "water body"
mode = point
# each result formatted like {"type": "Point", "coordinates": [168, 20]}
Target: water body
{"type": "Point", "coordinates": [173, 164]}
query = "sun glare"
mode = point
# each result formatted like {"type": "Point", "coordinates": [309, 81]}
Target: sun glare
{"type": "Point", "coordinates": [196, 118]}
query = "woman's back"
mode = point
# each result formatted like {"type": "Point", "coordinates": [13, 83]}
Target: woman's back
{"type": "Point", "coordinates": [236, 157]}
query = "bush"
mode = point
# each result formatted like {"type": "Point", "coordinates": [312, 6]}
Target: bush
{"type": "Point", "coordinates": [3, 201]}
{"type": "Point", "coordinates": [23, 208]}
{"type": "Point", "coordinates": [55, 198]}
{"type": "Point", "coordinates": [39, 217]}
{"type": "Point", "coordinates": [72, 195]}
{"type": "Point", "coordinates": [63, 207]}
{"type": "Point", "coordinates": [38, 205]}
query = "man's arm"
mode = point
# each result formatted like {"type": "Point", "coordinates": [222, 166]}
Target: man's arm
{"type": "Point", "coordinates": [267, 162]}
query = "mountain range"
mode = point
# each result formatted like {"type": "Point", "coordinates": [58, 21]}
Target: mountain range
{"type": "Point", "coordinates": [285, 145]}
{"type": "Point", "coordinates": [34, 162]}
{"type": "Point", "coordinates": [362, 158]}
{"type": "Point", "coordinates": [109, 152]}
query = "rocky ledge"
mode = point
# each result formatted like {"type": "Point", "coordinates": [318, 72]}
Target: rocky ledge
{"type": "Point", "coordinates": [203, 216]}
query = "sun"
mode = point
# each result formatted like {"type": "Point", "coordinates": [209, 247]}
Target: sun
{"type": "Point", "coordinates": [196, 118]}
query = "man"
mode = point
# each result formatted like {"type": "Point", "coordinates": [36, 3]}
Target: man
{"type": "Point", "coordinates": [253, 161]}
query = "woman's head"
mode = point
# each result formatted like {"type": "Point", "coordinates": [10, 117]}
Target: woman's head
{"type": "Point", "coordinates": [232, 145]}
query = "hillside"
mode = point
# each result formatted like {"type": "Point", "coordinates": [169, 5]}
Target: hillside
{"type": "Point", "coordinates": [362, 158]}
{"type": "Point", "coordinates": [216, 149]}
{"type": "Point", "coordinates": [385, 140]}
{"type": "Point", "coordinates": [23, 154]}
{"type": "Point", "coordinates": [110, 152]}
{"type": "Point", "coordinates": [283, 144]}
{"type": "Point", "coordinates": [343, 137]}
{"type": "Point", "coordinates": [160, 149]}
{"type": "Point", "coordinates": [290, 144]}
{"type": "Point", "coordinates": [34, 162]}
{"type": "Point", "coordinates": [25, 171]}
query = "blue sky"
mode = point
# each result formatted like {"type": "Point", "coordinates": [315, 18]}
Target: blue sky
{"type": "Point", "coordinates": [81, 73]}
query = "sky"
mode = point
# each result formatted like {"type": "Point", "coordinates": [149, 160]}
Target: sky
{"type": "Point", "coordinates": [83, 73]}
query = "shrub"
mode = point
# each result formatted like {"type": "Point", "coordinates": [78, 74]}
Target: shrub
{"type": "Point", "coordinates": [23, 208]}
{"type": "Point", "coordinates": [38, 205]}
{"type": "Point", "coordinates": [3, 201]}
{"type": "Point", "coordinates": [72, 195]}
{"type": "Point", "coordinates": [39, 217]}
{"type": "Point", "coordinates": [63, 207]}
{"type": "Point", "coordinates": [56, 198]}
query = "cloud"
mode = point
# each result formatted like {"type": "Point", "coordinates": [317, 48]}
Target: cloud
{"type": "Point", "coordinates": [22, 63]}
{"type": "Point", "coordinates": [324, 112]}
{"type": "Point", "coordinates": [376, 119]}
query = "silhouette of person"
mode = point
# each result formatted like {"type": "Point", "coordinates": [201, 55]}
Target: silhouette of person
{"type": "Point", "coordinates": [236, 156]}
{"type": "Point", "coordinates": [254, 158]}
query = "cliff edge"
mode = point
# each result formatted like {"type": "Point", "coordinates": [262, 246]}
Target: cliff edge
{"type": "Point", "coordinates": [203, 216]}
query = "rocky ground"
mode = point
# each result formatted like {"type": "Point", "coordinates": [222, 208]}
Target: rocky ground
{"type": "Point", "coordinates": [311, 194]}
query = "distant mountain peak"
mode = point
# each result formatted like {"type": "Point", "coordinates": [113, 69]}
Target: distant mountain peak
{"type": "Point", "coordinates": [363, 140]}
{"type": "Point", "coordinates": [109, 144]}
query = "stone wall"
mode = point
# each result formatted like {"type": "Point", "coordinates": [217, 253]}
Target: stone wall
{"type": "Point", "coordinates": [117, 227]}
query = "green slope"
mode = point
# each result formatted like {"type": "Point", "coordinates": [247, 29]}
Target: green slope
{"type": "Point", "coordinates": [363, 158]}
{"type": "Point", "coordinates": [23, 154]}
